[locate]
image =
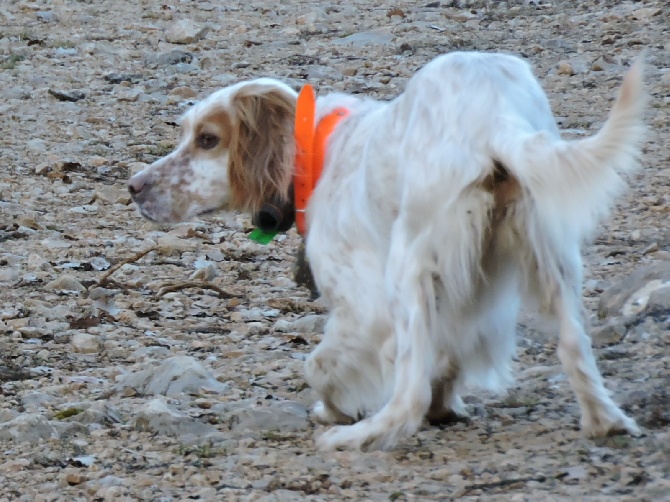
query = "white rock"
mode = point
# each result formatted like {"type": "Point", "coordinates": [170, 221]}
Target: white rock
{"type": "Point", "coordinates": [276, 416]}
{"type": "Point", "coordinates": [158, 418]}
{"type": "Point", "coordinates": [28, 427]}
{"type": "Point", "coordinates": [312, 323]}
{"type": "Point", "coordinates": [65, 283]}
{"type": "Point", "coordinates": [36, 262]}
{"type": "Point", "coordinates": [85, 343]}
{"type": "Point", "coordinates": [185, 32]}
{"type": "Point", "coordinates": [177, 375]}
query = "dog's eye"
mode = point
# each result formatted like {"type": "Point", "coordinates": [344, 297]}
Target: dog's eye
{"type": "Point", "coordinates": [207, 141]}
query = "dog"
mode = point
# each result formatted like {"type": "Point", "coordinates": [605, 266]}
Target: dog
{"type": "Point", "coordinates": [436, 216]}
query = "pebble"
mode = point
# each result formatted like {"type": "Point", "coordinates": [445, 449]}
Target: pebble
{"type": "Point", "coordinates": [185, 31]}
{"type": "Point", "coordinates": [84, 343]}
{"type": "Point", "coordinates": [565, 68]}
{"type": "Point", "coordinates": [65, 283]}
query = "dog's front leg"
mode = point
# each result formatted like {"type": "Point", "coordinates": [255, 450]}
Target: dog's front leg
{"type": "Point", "coordinates": [411, 294]}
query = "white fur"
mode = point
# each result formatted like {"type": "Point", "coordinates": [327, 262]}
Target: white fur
{"type": "Point", "coordinates": [422, 259]}
{"type": "Point", "coordinates": [396, 228]}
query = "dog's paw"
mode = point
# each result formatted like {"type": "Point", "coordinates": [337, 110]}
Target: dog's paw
{"type": "Point", "coordinates": [326, 415]}
{"type": "Point", "coordinates": [360, 436]}
{"type": "Point", "coordinates": [606, 422]}
{"type": "Point", "coordinates": [453, 412]}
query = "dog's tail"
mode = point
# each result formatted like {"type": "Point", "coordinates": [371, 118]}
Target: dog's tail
{"type": "Point", "coordinates": [573, 184]}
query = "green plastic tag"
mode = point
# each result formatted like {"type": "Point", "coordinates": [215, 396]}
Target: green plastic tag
{"type": "Point", "coordinates": [261, 237]}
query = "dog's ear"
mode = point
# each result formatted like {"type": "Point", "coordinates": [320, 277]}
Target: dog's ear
{"type": "Point", "coordinates": [261, 146]}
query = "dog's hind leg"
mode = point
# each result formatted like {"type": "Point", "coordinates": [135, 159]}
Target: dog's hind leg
{"type": "Point", "coordinates": [446, 405]}
{"type": "Point", "coordinates": [600, 415]}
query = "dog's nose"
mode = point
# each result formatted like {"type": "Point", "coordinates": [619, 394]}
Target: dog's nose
{"type": "Point", "coordinates": [135, 185]}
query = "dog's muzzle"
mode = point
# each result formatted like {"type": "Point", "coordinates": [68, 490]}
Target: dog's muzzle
{"type": "Point", "coordinates": [277, 215]}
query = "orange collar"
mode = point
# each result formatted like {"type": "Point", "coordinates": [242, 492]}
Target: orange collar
{"type": "Point", "coordinates": [310, 149]}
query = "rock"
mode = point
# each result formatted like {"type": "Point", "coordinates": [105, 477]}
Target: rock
{"type": "Point", "coordinates": [610, 334]}
{"type": "Point", "coordinates": [157, 417]}
{"type": "Point", "coordinates": [645, 13]}
{"type": "Point", "coordinates": [177, 375]}
{"type": "Point", "coordinates": [318, 72]}
{"type": "Point", "coordinates": [206, 274]}
{"type": "Point", "coordinates": [565, 68]}
{"type": "Point", "coordinates": [376, 37]}
{"type": "Point", "coordinates": [84, 343]}
{"type": "Point", "coordinates": [99, 412]}
{"type": "Point", "coordinates": [169, 244]}
{"type": "Point", "coordinates": [9, 274]}
{"type": "Point", "coordinates": [312, 323]}
{"type": "Point", "coordinates": [73, 477]}
{"type": "Point", "coordinates": [28, 427]}
{"type": "Point", "coordinates": [665, 79]}
{"type": "Point", "coordinates": [112, 194]}
{"type": "Point", "coordinates": [117, 78]}
{"type": "Point", "coordinates": [185, 32]}
{"type": "Point", "coordinates": [37, 262]}
{"type": "Point", "coordinates": [172, 58]}
{"type": "Point", "coordinates": [7, 415]}
{"type": "Point", "coordinates": [18, 93]}
{"type": "Point", "coordinates": [658, 305]}
{"type": "Point", "coordinates": [183, 92]}
{"type": "Point", "coordinates": [631, 294]}
{"type": "Point", "coordinates": [130, 95]}
{"type": "Point", "coordinates": [99, 263]}
{"type": "Point", "coordinates": [33, 401]}
{"type": "Point", "coordinates": [284, 416]}
{"type": "Point", "coordinates": [72, 96]}
{"type": "Point", "coordinates": [46, 16]}
{"type": "Point", "coordinates": [65, 283]}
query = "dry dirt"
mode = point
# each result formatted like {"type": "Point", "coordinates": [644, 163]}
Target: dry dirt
{"type": "Point", "coordinates": [93, 90]}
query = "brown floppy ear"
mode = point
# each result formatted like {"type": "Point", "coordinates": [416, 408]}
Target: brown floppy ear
{"type": "Point", "coordinates": [261, 148]}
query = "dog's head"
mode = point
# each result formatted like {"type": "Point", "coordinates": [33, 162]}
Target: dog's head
{"type": "Point", "coordinates": [235, 152]}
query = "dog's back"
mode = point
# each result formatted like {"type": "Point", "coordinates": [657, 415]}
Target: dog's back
{"type": "Point", "coordinates": [464, 202]}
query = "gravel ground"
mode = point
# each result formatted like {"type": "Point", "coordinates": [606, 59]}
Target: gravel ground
{"type": "Point", "coordinates": [140, 362]}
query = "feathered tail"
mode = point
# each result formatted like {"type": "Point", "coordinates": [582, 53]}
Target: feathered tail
{"type": "Point", "coordinates": [573, 183]}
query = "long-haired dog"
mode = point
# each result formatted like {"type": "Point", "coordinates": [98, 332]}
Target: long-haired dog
{"type": "Point", "coordinates": [437, 214]}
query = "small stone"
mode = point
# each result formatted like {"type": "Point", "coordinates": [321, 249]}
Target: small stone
{"type": "Point", "coordinates": [565, 68]}
{"type": "Point", "coordinates": [84, 343]}
{"type": "Point", "coordinates": [173, 57]}
{"type": "Point", "coordinates": [183, 92]}
{"type": "Point", "coordinates": [158, 418]}
{"type": "Point", "coordinates": [645, 13]}
{"type": "Point", "coordinates": [185, 32]}
{"type": "Point", "coordinates": [72, 96]}
{"type": "Point", "coordinates": [630, 295]}
{"type": "Point", "coordinates": [665, 79]}
{"type": "Point", "coordinates": [610, 334]}
{"type": "Point", "coordinates": [283, 416]}
{"type": "Point", "coordinates": [46, 16]}
{"type": "Point", "coordinates": [176, 375]}
{"type": "Point", "coordinates": [312, 323]}
{"type": "Point", "coordinates": [318, 72]}
{"type": "Point", "coordinates": [130, 95]}
{"type": "Point", "coordinates": [73, 478]}
{"type": "Point", "coordinates": [65, 283]}
{"type": "Point", "coordinates": [28, 427]}
{"type": "Point", "coordinates": [367, 38]}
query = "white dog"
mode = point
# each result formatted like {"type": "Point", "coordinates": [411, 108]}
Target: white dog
{"type": "Point", "coordinates": [436, 215]}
